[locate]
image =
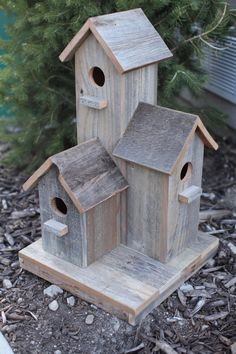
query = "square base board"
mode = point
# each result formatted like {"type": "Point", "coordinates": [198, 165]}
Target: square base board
{"type": "Point", "coordinates": [123, 282]}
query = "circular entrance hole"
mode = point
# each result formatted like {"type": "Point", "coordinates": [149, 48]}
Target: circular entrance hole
{"type": "Point", "coordinates": [97, 76]}
{"type": "Point", "coordinates": [186, 171]}
{"type": "Point", "coordinates": [59, 206]}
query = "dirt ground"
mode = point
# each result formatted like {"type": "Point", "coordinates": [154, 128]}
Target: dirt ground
{"type": "Point", "coordinates": [198, 318]}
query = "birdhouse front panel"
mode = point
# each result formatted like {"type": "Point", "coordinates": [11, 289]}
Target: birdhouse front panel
{"type": "Point", "coordinates": [56, 205]}
{"type": "Point", "coordinates": [146, 210]}
{"type": "Point", "coordinates": [184, 193]}
{"type": "Point", "coordinates": [106, 99]}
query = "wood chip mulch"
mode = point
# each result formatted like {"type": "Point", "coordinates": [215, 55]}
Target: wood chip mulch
{"type": "Point", "coordinates": [200, 317]}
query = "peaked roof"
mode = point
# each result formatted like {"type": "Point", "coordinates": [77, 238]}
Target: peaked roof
{"type": "Point", "coordinates": [156, 137]}
{"type": "Point", "coordinates": [87, 173]}
{"type": "Point", "coordinates": [128, 38]}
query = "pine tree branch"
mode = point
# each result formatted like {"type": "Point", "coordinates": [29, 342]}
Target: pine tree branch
{"type": "Point", "coordinates": [199, 36]}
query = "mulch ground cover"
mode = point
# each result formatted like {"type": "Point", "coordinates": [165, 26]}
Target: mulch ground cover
{"type": "Point", "coordinates": [198, 318]}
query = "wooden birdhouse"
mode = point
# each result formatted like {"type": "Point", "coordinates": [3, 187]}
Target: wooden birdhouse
{"type": "Point", "coordinates": [116, 60]}
{"type": "Point", "coordinates": [120, 210]}
{"type": "Point", "coordinates": [164, 153]}
{"type": "Point", "coordinates": [79, 203]}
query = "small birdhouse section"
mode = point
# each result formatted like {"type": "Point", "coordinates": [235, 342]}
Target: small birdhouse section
{"type": "Point", "coordinates": [163, 150]}
{"type": "Point", "coordinates": [116, 60]}
{"type": "Point", "coordinates": [120, 210]}
{"type": "Point", "coordinates": [79, 193]}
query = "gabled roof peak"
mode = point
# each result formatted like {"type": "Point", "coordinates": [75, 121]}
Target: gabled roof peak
{"type": "Point", "coordinates": [156, 137]}
{"type": "Point", "coordinates": [128, 38]}
{"type": "Point", "coordinates": [86, 172]}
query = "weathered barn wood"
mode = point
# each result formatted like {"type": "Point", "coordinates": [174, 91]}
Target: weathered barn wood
{"type": "Point", "coordinates": [121, 93]}
{"type": "Point", "coordinates": [123, 282]}
{"type": "Point", "coordinates": [124, 249]}
{"type": "Point", "coordinates": [128, 38]}
{"type": "Point", "coordinates": [156, 136]}
{"type": "Point", "coordinates": [86, 172]}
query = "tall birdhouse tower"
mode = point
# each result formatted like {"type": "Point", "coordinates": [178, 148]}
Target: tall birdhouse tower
{"type": "Point", "coordinates": [116, 60]}
{"type": "Point", "coordinates": [120, 210]}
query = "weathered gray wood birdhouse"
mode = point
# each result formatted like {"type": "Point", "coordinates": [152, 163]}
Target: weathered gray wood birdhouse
{"type": "Point", "coordinates": [79, 203]}
{"type": "Point", "coordinates": [120, 210]}
{"type": "Point", "coordinates": [116, 59]}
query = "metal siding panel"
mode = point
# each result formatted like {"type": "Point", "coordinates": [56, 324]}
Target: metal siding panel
{"type": "Point", "coordinates": [221, 68]}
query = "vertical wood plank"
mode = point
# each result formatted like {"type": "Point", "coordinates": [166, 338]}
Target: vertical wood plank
{"type": "Point", "coordinates": [122, 93]}
{"type": "Point", "coordinates": [103, 228]}
{"type": "Point", "coordinates": [70, 247]}
{"type": "Point", "coordinates": [183, 219]}
{"type": "Point", "coordinates": [147, 211]}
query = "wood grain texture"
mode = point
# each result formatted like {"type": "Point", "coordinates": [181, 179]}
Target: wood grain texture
{"type": "Point", "coordinates": [86, 172]}
{"type": "Point", "coordinates": [121, 92]}
{"type": "Point", "coordinates": [128, 39]}
{"type": "Point", "coordinates": [183, 218]}
{"type": "Point", "coordinates": [72, 247]}
{"type": "Point", "coordinates": [93, 102]}
{"type": "Point", "coordinates": [89, 235]}
{"type": "Point", "coordinates": [123, 282]}
{"type": "Point", "coordinates": [103, 227]}
{"type": "Point", "coordinates": [56, 227]}
{"type": "Point", "coordinates": [156, 137]}
{"type": "Point", "coordinates": [147, 211]}
{"type": "Point", "coordinates": [189, 194]}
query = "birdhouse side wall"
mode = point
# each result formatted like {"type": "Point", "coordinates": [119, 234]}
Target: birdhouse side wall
{"type": "Point", "coordinates": [146, 211]}
{"type": "Point", "coordinates": [183, 219]}
{"type": "Point", "coordinates": [122, 93]}
{"type": "Point", "coordinates": [70, 247]}
{"type": "Point", "coordinates": [103, 227]}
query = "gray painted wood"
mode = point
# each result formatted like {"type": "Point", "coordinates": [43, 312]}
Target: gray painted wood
{"type": "Point", "coordinates": [122, 93]}
{"type": "Point", "coordinates": [128, 38]}
{"type": "Point", "coordinates": [155, 137]}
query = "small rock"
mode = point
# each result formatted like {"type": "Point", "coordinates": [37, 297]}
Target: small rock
{"type": "Point", "coordinates": [7, 284]}
{"type": "Point", "coordinates": [210, 263]}
{"type": "Point", "coordinates": [232, 248]}
{"type": "Point", "coordinates": [222, 254]}
{"type": "Point", "coordinates": [4, 204]}
{"type": "Point", "coordinates": [52, 291]}
{"type": "Point", "coordinates": [15, 264]}
{"type": "Point", "coordinates": [57, 352]}
{"type": "Point", "coordinates": [93, 306]}
{"type": "Point", "coordinates": [20, 300]}
{"type": "Point", "coordinates": [89, 319]}
{"type": "Point", "coordinates": [53, 306]}
{"type": "Point", "coordinates": [116, 324]}
{"type": "Point", "coordinates": [5, 261]}
{"type": "Point", "coordinates": [185, 288]}
{"type": "Point", "coordinates": [70, 301]}
{"type": "Point", "coordinates": [9, 239]}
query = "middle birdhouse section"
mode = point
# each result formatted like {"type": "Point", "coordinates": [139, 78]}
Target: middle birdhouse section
{"type": "Point", "coordinates": [120, 211]}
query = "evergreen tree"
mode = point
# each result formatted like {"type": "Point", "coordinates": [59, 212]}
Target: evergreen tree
{"type": "Point", "coordinates": [40, 89]}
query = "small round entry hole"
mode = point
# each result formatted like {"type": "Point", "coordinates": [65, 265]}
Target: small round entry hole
{"type": "Point", "coordinates": [97, 76]}
{"type": "Point", "coordinates": [186, 171]}
{"type": "Point", "coordinates": [59, 206]}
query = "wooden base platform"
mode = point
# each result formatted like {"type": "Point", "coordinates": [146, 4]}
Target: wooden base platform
{"type": "Point", "coordinates": [123, 282]}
